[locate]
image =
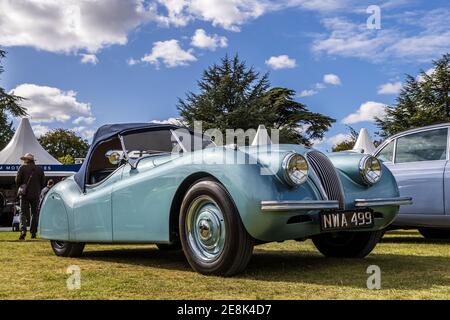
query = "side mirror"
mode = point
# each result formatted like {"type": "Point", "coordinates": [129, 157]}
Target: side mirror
{"type": "Point", "coordinates": [113, 157]}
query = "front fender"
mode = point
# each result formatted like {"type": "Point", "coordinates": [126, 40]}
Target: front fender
{"type": "Point", "coordinates": [347, 164]}
{"type": "Point", "coordinates": [53, 218]}
{"type": "Point", "coordinates": [248, 185]}
{"type": "Point", "coordinates": [56, 212]}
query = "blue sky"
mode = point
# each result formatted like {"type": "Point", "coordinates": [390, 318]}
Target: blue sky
{"type": "Point", "coordinates": [82, 64]}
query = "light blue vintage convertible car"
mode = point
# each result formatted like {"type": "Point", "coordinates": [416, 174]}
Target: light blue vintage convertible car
{"type": "Point", "coordinates": [148, 183]}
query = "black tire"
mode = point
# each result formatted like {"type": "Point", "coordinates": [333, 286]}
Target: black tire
{"type": "Point", "coordinates": [437, 234]}
{"type": "Point", "coordinates": [347, 244]}
{"type": "Point", "coordinates": [169, 247]}
{"type": "Point", "coordinates": [67, 249]}
{"type": "Point", "coordinates": [236, 243]}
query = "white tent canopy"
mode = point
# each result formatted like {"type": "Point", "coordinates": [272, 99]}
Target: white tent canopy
{"type": "Point", "coordinates": [261, 137]}
{"type": "Point", "coordinates": [364, 144]}
{"type": "Point", "coordinates": [24, 141]}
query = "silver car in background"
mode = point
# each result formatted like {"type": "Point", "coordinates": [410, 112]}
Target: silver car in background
{"type": "Point", "coordinates": [419, 160]}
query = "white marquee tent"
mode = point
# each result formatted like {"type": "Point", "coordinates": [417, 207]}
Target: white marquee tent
{"type": "Point", "coordinates": [261, 137]}
{"type": "Point", "coordinates": [364, 144]}
{"type": "Point", "coordinates": [24, 141]}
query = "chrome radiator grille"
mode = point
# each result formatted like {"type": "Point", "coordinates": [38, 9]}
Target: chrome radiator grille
{"type": "Point", "coordinates": [328, 176]}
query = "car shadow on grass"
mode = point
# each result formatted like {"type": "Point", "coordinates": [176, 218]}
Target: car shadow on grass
{"type": "Point", "coordinates": [145, 256]}
{"type": "Point", "coordinates": [413, 239]}
{"type": "Point", "coordinates": [399, 272]}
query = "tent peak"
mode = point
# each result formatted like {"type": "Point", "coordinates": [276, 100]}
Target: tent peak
{"type": "Point", "coordinates": [364, 144]}
{"type": "Point", "coordinates": [24, 141]}
{"type": "Point", "coordinates": [261, 137]}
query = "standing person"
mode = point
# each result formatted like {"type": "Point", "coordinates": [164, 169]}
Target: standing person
{"type": "Point", "coordinates": [30, 179]}
{"type": "Point", "coordinates": [50, 184]}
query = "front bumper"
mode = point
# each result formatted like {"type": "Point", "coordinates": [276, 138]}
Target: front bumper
{"type": "Point", "coordinates": [313, 205]}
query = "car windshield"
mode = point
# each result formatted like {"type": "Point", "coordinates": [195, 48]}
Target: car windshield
{"type": "Point", "coordinates": [148, 143]}
{"type": "Point", "coordinates": [189, 141]}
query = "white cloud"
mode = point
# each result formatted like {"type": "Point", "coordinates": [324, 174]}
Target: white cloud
{"type": "Point", "coordinates": [320, 86]}
{"type": "Point", "coordinates": [232, 14]}
{"type": "Point", "coordinates": [353, 40]}
{"type": "Point", "coordinates": [281, 62]}
{"type": "Point", "coordinates": [336, 139]}
{"type": "Point", "coordinates": [329, 78]}
{"type": "Point", "coordinates": [86, 120]}
{"type": "Point", "coordinates": [39, 130]}
{"type": "Point", "coordinates": [332, 79]}
{"type": "Point", "coordinates": [71, 25]}
{"type": "Point", "coordinates": [89, 58]}
{"type": "Point", "coordinates": [318, 5]}
{"type": "Point", "coordinates": [88, 26]}
{"type": "Point", "coordinates": [132, 62]}
{"type": "Point", "coordinates": [333, 140]}
{"type": "Point", "coordinates": [170, 53]}
{"type": "Point", "coordinates": [308, 93]}
{"type": "Point", "coordinates": [175, 121]}
{"type": "Point", "coordinates": [84, 132]}
{"type": "Point", "coordinates": [429, 72]}
{"type": "Point", "coordinates": [228, 14]}
{"type": "Point", "coordinates": [390, 88]}
{"type": "Point", "coordinates": [47, 104]}
{"type": "Point", "coordinates": [366, 113]}
{"type": "Point", "coordinates": [201, 40]}
{"type": "Point", "coordinates": [420, 36]}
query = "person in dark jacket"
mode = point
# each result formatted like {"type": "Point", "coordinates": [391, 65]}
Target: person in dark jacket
{"type": "Point", "coordinates": [32, 178]}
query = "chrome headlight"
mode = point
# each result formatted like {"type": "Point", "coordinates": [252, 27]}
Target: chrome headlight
{"type": "Point", "coordinates": [295, 169]}
{"type": "Point", "coordinates": [370, 169]}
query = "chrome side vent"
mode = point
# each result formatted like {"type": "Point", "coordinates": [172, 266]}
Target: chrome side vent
{"type": "Point", "coordinates": [328, 176]}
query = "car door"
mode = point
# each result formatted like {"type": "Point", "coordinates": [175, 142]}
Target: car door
{"type": "Point", "coordinates": [447, 189]}
{"type": "Point", "coordinates": [92, 212]}
{"type": "Point", "coordinates": [418, 163]}
{"type": "Point", "coordinates": [142, 199]}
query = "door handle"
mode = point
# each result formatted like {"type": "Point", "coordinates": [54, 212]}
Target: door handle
{"type": "Point", "coordinates": [55, 197]}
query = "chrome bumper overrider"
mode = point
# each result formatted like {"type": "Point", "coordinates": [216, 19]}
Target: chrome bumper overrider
{"type": "Point", "coordinates": [310, 205]}
{"type": "Point", "coordinates": [380, 202]}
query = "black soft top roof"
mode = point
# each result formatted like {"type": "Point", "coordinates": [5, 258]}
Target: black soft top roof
{"type": "Point", "coordinates": [108, 132]}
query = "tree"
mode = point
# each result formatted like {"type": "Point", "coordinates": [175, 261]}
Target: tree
{"type": "Point", "coordinates": [348, 143]}
{"type": "Point", "coordinates": [423, 100]}
{"type": "Point", "coordinates": [233, 96]}
{"type": "Point", "coordinates": [61, 143]}
{"type": "Point", "coordinates": [68, 159]}
{"type": "Point", "coordinates": [6, 130]}
{"type": "Point", "coordinates": [9, 102]}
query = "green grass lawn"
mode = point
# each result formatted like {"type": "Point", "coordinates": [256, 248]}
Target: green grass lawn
{"type": "Point", "coordinates": [411, 267]}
